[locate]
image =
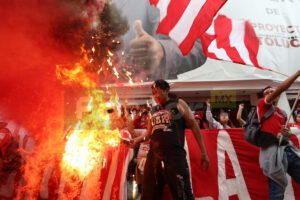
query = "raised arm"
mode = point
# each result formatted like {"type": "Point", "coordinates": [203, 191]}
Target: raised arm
{"type": "Point", "coordinates": [239, 114]}
{"type": "Point", "coordinates": [213, 124]}
{"type": "Point", "coordinates": [282, 87]}
{"type": "Point", "coordinates": [189, 118]}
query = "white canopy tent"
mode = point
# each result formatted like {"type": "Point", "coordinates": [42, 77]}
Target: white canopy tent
{"type": "Point", "coordinates": [215, 75]}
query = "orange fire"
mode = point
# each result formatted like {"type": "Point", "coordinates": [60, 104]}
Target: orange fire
{"type": "Point", "coordinates": [95, 132]}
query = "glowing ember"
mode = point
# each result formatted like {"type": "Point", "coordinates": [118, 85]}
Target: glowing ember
{"type": "Point", "coordinates": [116, 72]}
{"type": "Point", "coordinates": [110, 53]}
{"type": "Point", "coordinates": [134, 188]}
{"type": "Point", "coordinates": [128, 74]}
{"type": "Point", "coordinates": [109, 62]}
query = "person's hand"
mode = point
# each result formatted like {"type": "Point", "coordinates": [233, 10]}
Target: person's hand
{"type": "Point", "coordinates": [241, 106]}
{"type": "Point", "coordinates": [133, 143]}
{"type": "Point", "coordinates": [208, 103]}
{"type": "Point", "coordinates": [204, 159]}
{"type": "Point", "coordinates": [286, 131]}
{"type": "Point", "coordinates": [145, 50]}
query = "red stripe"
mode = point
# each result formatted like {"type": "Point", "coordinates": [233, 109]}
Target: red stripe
{"type": "Point", "coordinates": [153, 2]}
{"type": "Point", "coordinates": [105, 172]}
{"type": "Point", "coordinates": [175, 11]}
{"type": "Point", "coordinates": [206, 40]}
{"type": "Point", "coordinates": [223, 28]}
{"type": "Point", "coordinates": [252, 44]}
{"type": "Point", "coordinates": [201, 23]}
{"type": "Point", "coordinates": [122, 155]}
{"type": "Point", "coordinates": [115, 192]}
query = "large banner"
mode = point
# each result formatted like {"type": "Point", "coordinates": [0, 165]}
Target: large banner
{"type": "Point", "coordinates": [277, 25]}
{"type": "Point", "coordinates": [234, 171]}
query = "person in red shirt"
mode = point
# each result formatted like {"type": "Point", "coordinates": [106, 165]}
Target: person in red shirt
{"type": "Point", "coordinates": [199, 117]}
{"type": "Point", "coordinates": [137, 127]}
{"type": "Point", "coordinates": [276, 159]}
{"type": "Point", "coordinates": [297, 120]}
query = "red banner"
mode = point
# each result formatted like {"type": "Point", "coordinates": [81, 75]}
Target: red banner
{"type": "Point", "coordinates": [234, 171]}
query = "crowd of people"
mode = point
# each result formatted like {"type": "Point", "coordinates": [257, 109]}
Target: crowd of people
{"type": "Point", "coordinates": [275, 125]}
{"type": "Point", "coordinates": [158, 138]}
{"type": "Point", "coordinates": [158, 131]}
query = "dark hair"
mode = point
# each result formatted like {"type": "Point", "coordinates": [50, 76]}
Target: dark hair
{"type": "Point", "coordinates": [262, 91]}
{"type": "Point", "coordinates": [162, 84]}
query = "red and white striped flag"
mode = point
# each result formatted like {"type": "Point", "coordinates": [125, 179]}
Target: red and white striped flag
{"type": "Point", "coordinates": [231, 40]}
{"type": "Point", "coordinates": [185, 20]}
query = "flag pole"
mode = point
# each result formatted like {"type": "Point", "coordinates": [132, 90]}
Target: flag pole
{"type": "Point", "coordinates": [287, 121]}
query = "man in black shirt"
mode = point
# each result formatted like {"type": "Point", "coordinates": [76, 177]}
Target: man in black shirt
{"type": "Point", "coordinates": [166, 161]}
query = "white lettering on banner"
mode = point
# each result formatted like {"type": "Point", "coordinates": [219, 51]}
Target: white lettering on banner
{"type": "Point", "coordinates": [233, 186]}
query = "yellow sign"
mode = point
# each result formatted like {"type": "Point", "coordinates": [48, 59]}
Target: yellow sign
{"type": "Point", "coordinates": [223, 99]}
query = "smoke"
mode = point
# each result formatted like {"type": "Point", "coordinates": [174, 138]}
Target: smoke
{"type": "Point", "coordinates": [35, 36]}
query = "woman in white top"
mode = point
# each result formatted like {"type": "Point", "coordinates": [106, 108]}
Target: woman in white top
{"type": "Point", "coordinates": [214, 124]}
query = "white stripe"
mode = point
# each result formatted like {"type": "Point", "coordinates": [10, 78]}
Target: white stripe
{"type": "Point", "coordinates": [162, 5]}
{"type": "Point", "coordinates": [211, 29]}
{"type": "Point", "coordinates": [111, 175]}
{"type": "Point", "coordinates": [237, 40]}
{"type": "Point", "coordinates": [123, 182]}
{"type": "Point", "coordinates": [220, 53]}
{"type": "Point", "coordinates": [183, 26]}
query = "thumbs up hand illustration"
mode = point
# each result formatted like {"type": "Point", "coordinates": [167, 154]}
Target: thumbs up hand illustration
{"type": "Point", "coordinates": [147, 53]}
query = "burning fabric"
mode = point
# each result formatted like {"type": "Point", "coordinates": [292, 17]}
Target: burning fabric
{"type": "Point", "coordinates": [50, 48]}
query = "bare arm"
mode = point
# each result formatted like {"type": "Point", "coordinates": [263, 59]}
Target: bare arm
{"type": "Point", "coordinates": [282, 87]}
{"type": "Point", "coordinates": [189, 118]}
{"type": "Point", "coordinates": [131, 128]}
{"type": "Point", "coordinates": [143, 137]}
{"type": "Point", "coordinates": [239, 114]}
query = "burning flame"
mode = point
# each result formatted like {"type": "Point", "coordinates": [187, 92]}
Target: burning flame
{"type": "Point", "coordinates": [97, 131]}
{"type": "Point", "coordinates": [91, 137]}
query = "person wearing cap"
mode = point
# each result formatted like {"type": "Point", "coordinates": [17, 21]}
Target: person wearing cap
{"type": "Point", "coordinates": [199, 117]}
{"type": "Point", "coordinates": [166, 160]}
{"type": "Point", "coordinates": [296, 124]}
{"type": "Point", "coordinates": [214, 124]}
{"type": "Point", "coordinates": [277, 158]}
